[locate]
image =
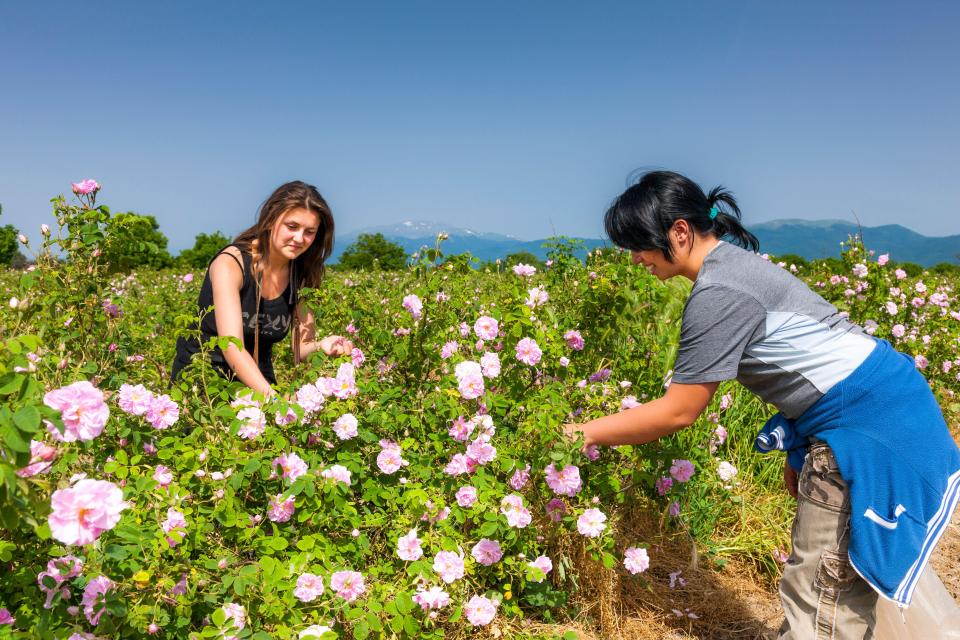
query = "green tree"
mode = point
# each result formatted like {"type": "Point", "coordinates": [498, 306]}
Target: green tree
{"type": "Point", "coordinates": [524, 257]}
{"type": "Point", "coordinates": [134, 241]}
{"type": "Point", "coordinates": [373, 251]}
{"type": "Point", "coordinates": [205, 246]}
{"type": "Point", "coordinates": [8, 243]}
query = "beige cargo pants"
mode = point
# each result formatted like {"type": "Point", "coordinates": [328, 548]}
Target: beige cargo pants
{"type": "Point", "coordinates": [823, 596]}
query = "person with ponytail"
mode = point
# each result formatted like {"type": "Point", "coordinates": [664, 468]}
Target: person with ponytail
{"type": "Point", "coordinates": [253, 286]}
{"type": "Point", "coordinates": [871, 503]}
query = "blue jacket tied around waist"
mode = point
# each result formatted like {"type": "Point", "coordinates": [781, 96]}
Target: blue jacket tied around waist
{"type": "Point", "coordinates": [896, 455]}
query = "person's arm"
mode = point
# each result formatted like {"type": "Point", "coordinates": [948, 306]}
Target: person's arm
{"type": "Point", "coordinates": [226, 278]}
{"type": "Point", "coordinates": [330, 345]}
{"type": "Point", "coordinates": [677, 409]}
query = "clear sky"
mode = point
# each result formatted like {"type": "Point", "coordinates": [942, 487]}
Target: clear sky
{"type": "Point", "coordinates": [521, 117]}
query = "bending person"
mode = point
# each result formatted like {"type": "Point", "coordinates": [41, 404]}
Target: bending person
{"type": "Point", "coordinates": [253, 285]}
{"type": "Point", "coordinates": [879, 474]}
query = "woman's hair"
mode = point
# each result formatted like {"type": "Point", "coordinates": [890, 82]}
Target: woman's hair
{"type": "Point", "coordinates": [309, 266]}
{"type": "Point", "coordinates": [641, 218]}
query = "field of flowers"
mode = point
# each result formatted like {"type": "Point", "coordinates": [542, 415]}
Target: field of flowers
{"type": "Point", "coordinates": [419, 488]}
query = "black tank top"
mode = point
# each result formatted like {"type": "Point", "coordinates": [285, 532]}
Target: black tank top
{"type": "Point", "coordinates": [275, 318]}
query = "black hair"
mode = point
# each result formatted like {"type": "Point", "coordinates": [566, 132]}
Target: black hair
{"type": "Point", "coordinates": [641, 217]}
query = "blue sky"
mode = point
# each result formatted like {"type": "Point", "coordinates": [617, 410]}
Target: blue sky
{"type": "Point", "coordinates": [520, 117]}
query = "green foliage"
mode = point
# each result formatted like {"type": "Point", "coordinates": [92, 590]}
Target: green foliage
{"type": "Point", "coordinates": [9, 248]}
{"type": "Point", "coordinates": [523, 257]}
{"type": "Point", "coordinates": [372, 252]}
{"type": "Point", "coordinates": [231, 551]}
{"type": "Point", "coordinates": [205, 247]}
{"type": "Point", "coordinates": [135, 241]}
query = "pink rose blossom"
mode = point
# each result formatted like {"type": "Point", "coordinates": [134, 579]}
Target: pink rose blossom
{"type": "Point", "coordinates": [389, 459]}
{"type": "Point", "coordinates": [253, 422]}
{"type": "Point", "coordinates": [6, 617]}
{"type": "Point", "coordinates": [536, 297]}
{"type": "Point", "coordinates": [487, 552]}
{"type": "Point", "coordinates": [431, 599]}
{"type": "Point", "coordinates": [309, 587]}
{"type": "Point", "coordinates": [524, 270]}
{"type": "Point", "coordinates": [281, 509]}
{"type": "Point", "coordinates": [490, 365]}
{"type": "Point", "coordinates": [592, 523]}
{"type": "Point", "coordinates": [449, 566]}
{"type": "Point", "coordinates": [726, 471]}
{"type": "Point", "coordinates": [920, 361]}
{"type": "Point", "coordinates": [408, 546]}
{"type": "Point", "coordinates": [162, 412]}
{"type": "Point", "coordinates": [466, 496]}
{"type": "Point", "coordinates": [555, 509]}
{"type": "Point", "coordinates": [528, 352]}
{"type": "Point", "coordinates": [574, 340]}
{"type": "Point", "coordinates": [41, 459]}
{"type": "Point", "coordinates": [134, 399]}
{"type": "Point", "coordinates": [84, 511]}
{"type": "Point", "coordinates": [461, 429]}
{"type": "Point", "coordinates": [544, 564]}
{"type": "Point", "coordinates": [664, 484]}
{"type": "Point", "coordinates": [566, 482]}
{"type": "Point", "coordinates": [674, 509]}
{"type": "Point", "coordinates": [345, 385]}
{"type": "Point", "coordinates": [898, 330]}
{"type": "Point", "coordinates": [629, 402]}
{"type": "Point", "coordinates": [520, 478]}
{"type": "Point", "coordinates": [346, 426]}
{"type": "Point", "coordinates": [236, 614]}
{"type": "Point", "coordinates": [175, 523]}
{"type": "Point", "coordinates": [460, 464]}
{"type": "Point", "coordinates": [292, 466]}
{"type": "Point", "coordinates": [82, 410]}
{"type": "Point", "coordinates": [564, 361]}
{"type": "Point", "coordinates": [471, 387]}
{"type": "Point", "coordinates": [486, 328]}
{"type": "Point", "coordinates": [310, 398]}
{"type": "Point", "coordinates": [449, 348]}
{"type": "Point", "coordinates": [336, 472]}
{"type": "Point", "coordinates": [481, 451]}
{"type": "Point", "coordinates": [413, 304]}
{"type": "Point", "coordinates": [682, 470]}
{"type": "Point", "coordinates": [480, 611]}
{"type": "Point", "coordinates": [94, 596]}
{"type": "Point", "coordinates": [636, 560]}
{"type": "Point", "coordinates": [518, 516]}
{"type": "Point", "coordinates": [85, 187]}
{"type": "Point", "coordinates": [357, 357]}
{"type": "Point", "coordinates": [900, 274]}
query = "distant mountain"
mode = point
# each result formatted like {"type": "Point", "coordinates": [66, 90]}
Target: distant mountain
{"type": "Point", "coordinates": [808, 238]}
{"type": "Point", "coordinates": [821, 239]}
{"type": "Point", "coordinates": [412, 235]}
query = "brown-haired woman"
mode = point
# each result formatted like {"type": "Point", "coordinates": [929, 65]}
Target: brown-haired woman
{"type": "Point", "coordinates": [253, 286]}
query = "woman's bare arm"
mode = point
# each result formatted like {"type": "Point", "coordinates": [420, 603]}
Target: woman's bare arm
{"type": "Point", "coordinates": [226, 277]}
{"type": "Point", "coordinates": [677, 409]}
{"type": "Point", "coordinates": [330, 345]}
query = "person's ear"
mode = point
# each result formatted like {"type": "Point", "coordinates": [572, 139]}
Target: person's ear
{"type": "Point", "coordinates": [681, 230]}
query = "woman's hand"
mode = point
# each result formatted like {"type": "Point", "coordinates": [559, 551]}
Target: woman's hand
{"type": "Point", "coordinates": [335, 345]}
{"type": "Point", "coordinates": [790, 479]}
{"type": "Point", "coordinates": [573, 431]}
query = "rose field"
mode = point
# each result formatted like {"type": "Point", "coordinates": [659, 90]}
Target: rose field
{"type": "Point", "coordinates": [421, 487]}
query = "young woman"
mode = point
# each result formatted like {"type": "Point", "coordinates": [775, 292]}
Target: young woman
{"type": "Point", "coordinates": [253, 286]}
{"type": "Point", "coordinates": [879, 474]}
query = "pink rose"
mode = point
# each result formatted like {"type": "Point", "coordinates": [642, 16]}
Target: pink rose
{"type": "Point", "coordinates": [84, 511]}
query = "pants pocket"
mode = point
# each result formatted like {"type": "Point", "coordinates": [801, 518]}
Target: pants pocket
{"type": "Point", "coordinates": [820, 480]}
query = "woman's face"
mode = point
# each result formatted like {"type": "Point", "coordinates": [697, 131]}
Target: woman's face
{"type": "Point", "coordinates": [655, 262]}
{"type": "Point", "coordinates": [294, 232]}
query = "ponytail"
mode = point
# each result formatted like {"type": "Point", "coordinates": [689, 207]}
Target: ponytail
{"type": "Point", "coordinates": [641, 217]}
{"type": "Point", "coordinates": [726, 219]}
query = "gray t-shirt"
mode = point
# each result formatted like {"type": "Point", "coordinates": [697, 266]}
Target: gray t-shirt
{"type": "Point", "coordinates": [753, 321]}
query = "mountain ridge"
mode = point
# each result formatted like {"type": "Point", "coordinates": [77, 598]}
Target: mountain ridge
{"type": "Point", "coordinates": [811, 239]}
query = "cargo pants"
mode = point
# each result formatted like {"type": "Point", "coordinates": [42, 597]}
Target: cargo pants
{"type": "Point", "coordinates": [823, 596]}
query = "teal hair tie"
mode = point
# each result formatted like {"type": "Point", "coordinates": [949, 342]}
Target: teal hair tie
{"type": "Point", "coordinates": [713, 213]}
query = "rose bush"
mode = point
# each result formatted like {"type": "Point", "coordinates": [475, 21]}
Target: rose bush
{"type": "Point", "coordinates": [419, 486]}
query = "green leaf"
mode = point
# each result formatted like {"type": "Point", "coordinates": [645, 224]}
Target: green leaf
{"type": "Point", "coordinates": [27, 418]}
{"type": "Point", "coordinates": [13, 439]}
{"type": "Point", "coordinates": [404, 602]}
